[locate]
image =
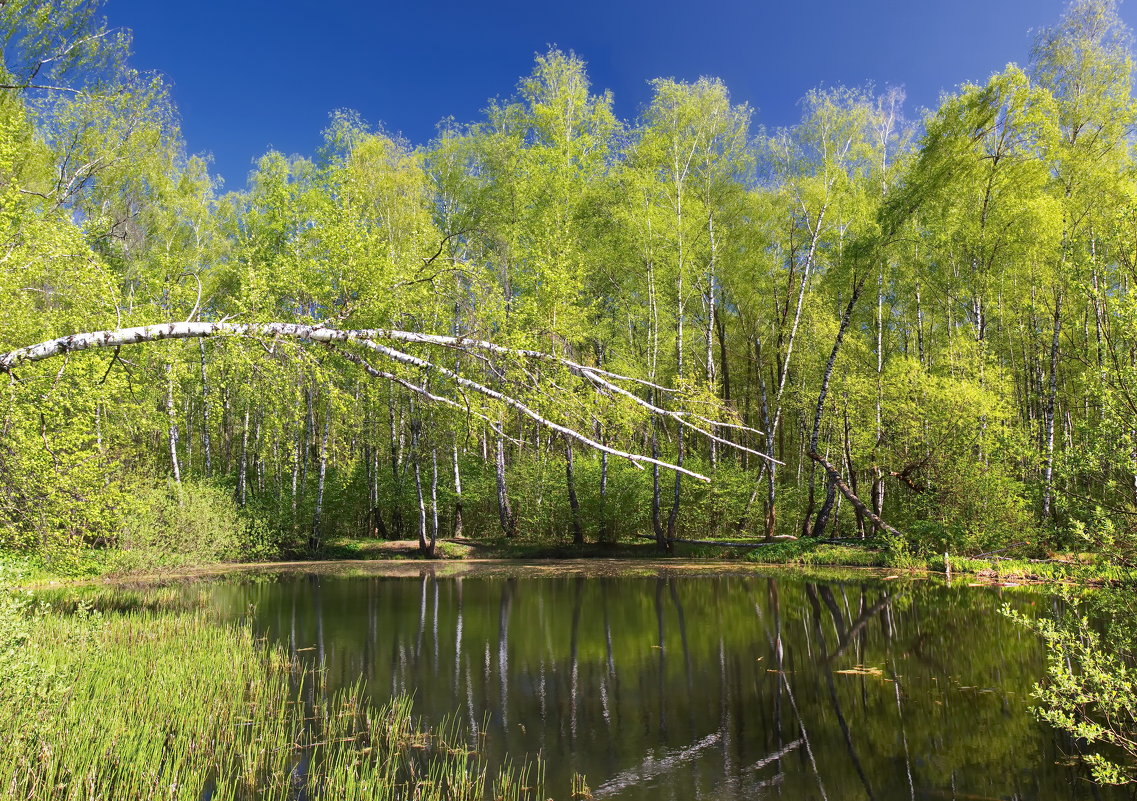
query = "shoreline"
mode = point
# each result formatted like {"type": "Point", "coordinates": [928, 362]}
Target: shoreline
{"type": "Point", "coordinates": [618, 561]}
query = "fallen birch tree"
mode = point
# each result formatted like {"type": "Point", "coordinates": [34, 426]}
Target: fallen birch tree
{"type": "Point", "coordinates": [340, 342]}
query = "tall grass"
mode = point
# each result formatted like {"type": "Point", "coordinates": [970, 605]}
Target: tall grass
{"type": "Point", "coordinates": [175, 705]}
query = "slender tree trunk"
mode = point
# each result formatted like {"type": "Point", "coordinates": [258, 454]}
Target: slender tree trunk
{"type": "Point", "coordinates": [415, 460]}
{"type": "Point", "coordinates": [770, 522]}
{"type": "Point", "coordinates": [205, 444]}
{"type": "Point", "coordinates": [309, 434]}
{"type": "Point", "coordinates": [604, 525]}
{"type": "Point", "coordinates": [849, 466]}
{"type": "Point", "coordinates": [172, 425]}
{"type": "Point", "coordinates": [396, 473]}
{"type": "Point", "coordinates": [1051, 396]}
{"type": "Point", "coordinates": [709, 332]}
{"type": "Point", "coordinates": [724, 370]}
{"type": "Point", "coordinates": [430, 551]}
{"type": "Point", "coordinates": [673, 516]}
{"type": "Point", "coordinates": [243, 464]}
{"type": "Point", "coordinates": [457, 493]}
{"type": "Point", "coordinates": [505, 513]}
{"type": "Point", "coordinates": [773, 428]}
{"type": "Point", "coordinates": [830, 493]}
{"type": "Point", "coordinates": [656, 505]}
{"type": "Point", "coordinates": [296, 476]}
{"type": "Point", "coordinates": [920, 326]}
{"type": "Point", "coordinates": [826, 506]}
{"type": "Point", "coordinates": [574, 504]}
{"type": "Point", "coordinates": [258, 459]}
{"type": "Point", "coordinates": [314, 540]}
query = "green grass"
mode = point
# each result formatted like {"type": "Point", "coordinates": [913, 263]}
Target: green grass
{"type": "Point", "coordinates": [1098, 572]}
{"type": "Point", "coordinates": [878, 554]}
{"type": "Point", "coordinates": [86, 564]}
{"type": "Point", "coordinates": [166, 702]}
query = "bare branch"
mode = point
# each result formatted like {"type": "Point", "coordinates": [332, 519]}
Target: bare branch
{"type": "Point", "coordinates": [513, 403]}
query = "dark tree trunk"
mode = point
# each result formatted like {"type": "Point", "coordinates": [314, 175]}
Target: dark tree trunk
{"type": "Point", "coordinates": [673, 515]}
{"type": "Point", "coordinates": [656, 518]}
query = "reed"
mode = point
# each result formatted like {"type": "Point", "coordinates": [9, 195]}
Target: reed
{"type": "Point", "coordinates": [177, 705]}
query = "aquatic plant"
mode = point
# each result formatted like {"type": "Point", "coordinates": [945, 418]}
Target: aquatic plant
{"type": "Point", "coordinates": [178, 705]}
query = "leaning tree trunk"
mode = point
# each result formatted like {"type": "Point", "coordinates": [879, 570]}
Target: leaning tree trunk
{"type": "Point", "coordinates": [339, 340]}
{"type": "Point", "coordinates": [822, 518]}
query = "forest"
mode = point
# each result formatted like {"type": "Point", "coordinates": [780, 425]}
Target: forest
{"type": "Point", "coordinates": [912, 326]}
{"type": "Point", "coordinates": [908, 336]}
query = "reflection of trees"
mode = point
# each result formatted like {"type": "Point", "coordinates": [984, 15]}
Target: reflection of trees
{"type": "Point", "coordinates": [614, 675]}
{"type": "Point", "coordinates": [895, 678]}
{"type": "Point", "coordinates": [506, 604]}
{"type": "Point", "coordinates": [574, 651]}
{"type": "Point", "coordinates": [842, 633]}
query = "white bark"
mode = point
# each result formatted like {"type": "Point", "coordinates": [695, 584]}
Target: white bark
{"type": "Point", "coordinates": [243, 471]}
{"type": "Point", "coordinates": [433, 501]}
{"type": "Point", "coordinates": [205, 413]}
{"type": "Point", "coordinates": [172, 424]}
{"type": "Point", "coordinates": [366, 338]}
{"type": "Point", "coordinates": [457, 493]}
{"type": "Point", "coordinates": [314, 540]}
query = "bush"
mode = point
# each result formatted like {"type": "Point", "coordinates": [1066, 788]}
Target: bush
{"type": "Point", "coordinates": [196, 521]}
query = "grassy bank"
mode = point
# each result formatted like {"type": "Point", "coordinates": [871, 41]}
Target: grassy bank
{"type": "Point", "coordinates": [1059, 568]}
{"type": "Point", "coordinates": [1083, 568]}
{"type": "Point", "coordinates": [165, 702]}
{"type": "Point", "coordinates": [88, 564]}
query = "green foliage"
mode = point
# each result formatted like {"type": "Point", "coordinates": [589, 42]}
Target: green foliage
{"type": "Point", "coordinates": [681, 248]}
{"type": "Point", "coordinates": [1091, 687]}
{"type": "Point", "coordinates": [194, 522]}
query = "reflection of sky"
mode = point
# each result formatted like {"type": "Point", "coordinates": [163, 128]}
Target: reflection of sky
{"type": "Point", "coordinates": [250, 75]}
{"type": "Point", "coordinates": [687, 687]}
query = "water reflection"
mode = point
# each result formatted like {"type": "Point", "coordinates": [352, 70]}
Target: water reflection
{"type": "Point", "coordinates": [679, 687]}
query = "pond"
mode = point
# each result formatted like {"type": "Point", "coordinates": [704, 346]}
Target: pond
{"type": "Point", "coordinates": [673, 684]}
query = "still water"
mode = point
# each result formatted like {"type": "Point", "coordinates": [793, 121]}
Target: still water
{"type": "Point", "coordinates": [672, 685]}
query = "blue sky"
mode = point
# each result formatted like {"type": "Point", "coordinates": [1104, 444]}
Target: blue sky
{"type": "Point", "coordinates": [248, 75]}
